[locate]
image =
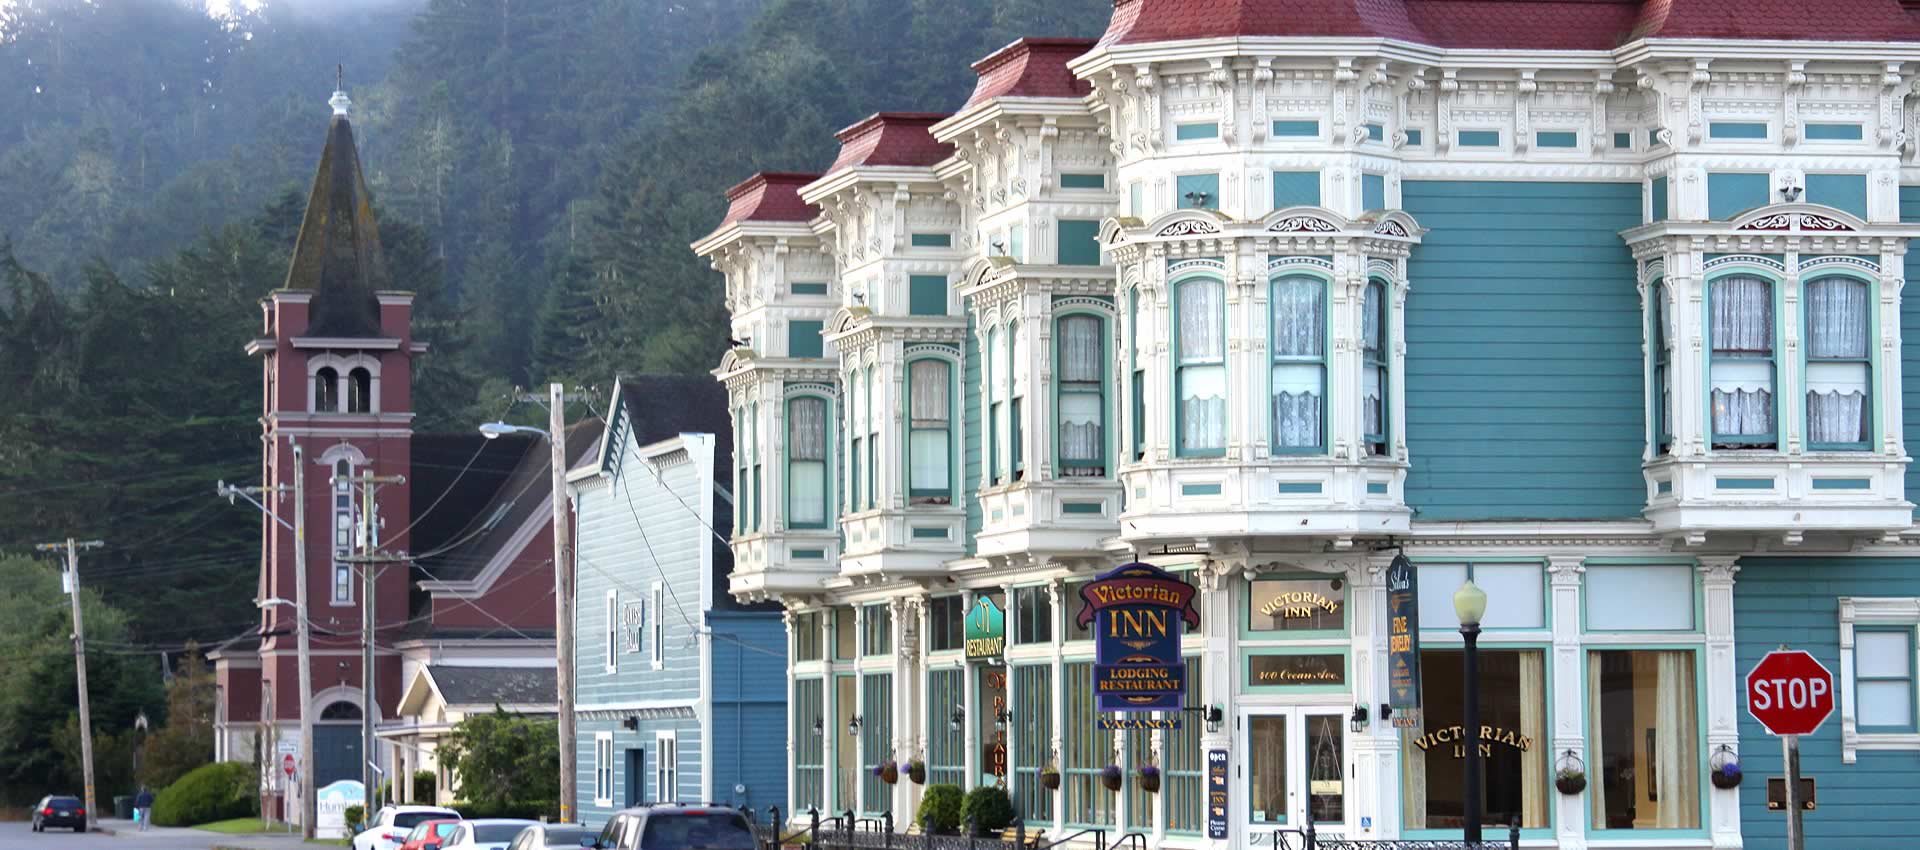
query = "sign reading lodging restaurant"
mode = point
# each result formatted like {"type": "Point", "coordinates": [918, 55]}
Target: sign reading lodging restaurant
{"type": "Point", "coordinates": [1323, 314]}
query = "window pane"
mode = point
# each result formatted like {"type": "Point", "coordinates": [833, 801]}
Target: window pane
{"type": "Point", "coordinates": [876, 740]}
{"type": "Point", "coordinates": [1202, 337]}
{"type": "Point", "coordinates": [1293, 605]}
{"type": "Point", "coordinates": [1075, 631]}
{"type": "Point", "coordinates": [1628, 598]}
{"type": "Point", "coordinates": [931, 400]}
{"type": "Point", "coordinates": [1298, 320]}
{"type": "Point", "coordinates": [1644, 736]}
{"type": "Point", "coordinates": [1268, 753]}
{"type": "Point", "coordinates": [1837, 402]}
{"type": "Point", "coordinates": [843, 633]}
{"type": "Point", "coordinates": [1437, 584]}
{"type": "Point", "coordinates": [1203, 407]}
{"type": "Point", "coordinates": [1088, 749]}
{"type": "Point", "coordinates": [1837, 318]}
{"type": "Point", "coordinates": [1885, 703]}
{"type": "Point", "coordinates": [1514, 744]}
{"type": "Point", "coordinates": [944, 623]}
{"type": "Point", "coordinates": [1296, 405]}
{"type": "Point", "coordinates": [1516, 599]}
{"type": "Point", "coordinates": [1033, 615]}
{"type": "Point", "coordinates": [946, 760]}
{"type": "Point", "coordinates": [1080, 350]}
{"type": "Point", "coordinates": [1742, 316]}
{"type": "Point", "coordinates": [807, 500]}
{"type": "Point", "coordinates": [1882, 654]}
{"type": "Point", "coordinates": [879, 630]}
{"type": "Point", "coordinates": [1080, 438]}
{"type": "Point", "coordinates": [1326, 763]}
{"type": "Point", "coordinates": [807, 429]}
{"type": "Point", "coordinates": [928, 455]}
{"type": "Point", "coordinates": [1033, 739]}
{"type": "Point", "coordinates": [1743, 397]}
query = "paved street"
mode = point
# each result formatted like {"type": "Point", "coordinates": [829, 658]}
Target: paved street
{"type": "Point", "coordinates": [18, 836]}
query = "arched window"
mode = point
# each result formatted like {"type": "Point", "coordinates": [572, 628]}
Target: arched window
{"type": "Point", "coordinates": [343, 532]}
{"type": "Point", "coordinates": [1839, 369]}
{"type": "Point", "coordinates": [1081, 370]}
{"type": "Point", "coordinates": [1299, 376]}
{"type": "Point", "coordinates": [1376, 386]}
{"type": "Point", "coordinates": [1740, 325]}
{"type": "Point", "coordinates": [341, 710]}
{"type": "Point", "coordinates": [930, 431]}
{"type": "Point", "coordinates": [1200, 367]}
{"type": "Point", "coordinates": [807, 462]}
{"type": "Point", "coordinates": [1136, 353]}
{"type": "Point", "coordinates": [326, 390]}
{"type": "Point", "coordinates": [359, 390]}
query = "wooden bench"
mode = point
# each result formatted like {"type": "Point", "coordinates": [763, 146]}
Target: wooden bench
{"type": "Point", "coordinates": [1034, 839]}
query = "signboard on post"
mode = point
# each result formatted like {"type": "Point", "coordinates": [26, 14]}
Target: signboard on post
{"type": "Point", "coordinates": [1791, 693]}
{"type": "Point", "coordinates": [1137, 611]}
{"type": "Point", "coordinates": [1403, 642]}
{"type": "Point", "coordinates": [1217, 794]}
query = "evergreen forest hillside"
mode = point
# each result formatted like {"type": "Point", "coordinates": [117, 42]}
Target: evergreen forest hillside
{"type": "Point", "coordinates": [540, 167]}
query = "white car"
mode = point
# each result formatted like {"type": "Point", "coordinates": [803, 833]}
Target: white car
{"type": "Point", "coordinates": [391, 824]}
{"type": "Point", "coordinates": [488, 834]}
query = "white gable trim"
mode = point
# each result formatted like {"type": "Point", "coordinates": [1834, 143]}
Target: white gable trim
{"type": "Point", "coordinates": [483, 581]}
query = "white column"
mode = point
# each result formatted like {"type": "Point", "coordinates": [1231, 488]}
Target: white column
{"type": "Point", "coordinates": [1056, 592]}
{"type": "Point", "coordinates": [906, 693]}
{"type": "Point", "coordinates": [1569, 695]}
{"type": "Point", "coordinates": [1376, 751]}
{"type": "Point", "coordinates": [793, 716]}
{"type": "Point", "coordinates": [1217, 622]}
{"type": "Point", "coordinates": [970, 738]}
{"type": "Point", "coordinates": [1723, 695]}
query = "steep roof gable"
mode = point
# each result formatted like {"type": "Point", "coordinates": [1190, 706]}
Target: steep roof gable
{"type": "Point", "coordinates": [337, 255]}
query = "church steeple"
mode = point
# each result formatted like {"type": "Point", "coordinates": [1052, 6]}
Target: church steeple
{"type": "Point", "coordinates": [338, 256]}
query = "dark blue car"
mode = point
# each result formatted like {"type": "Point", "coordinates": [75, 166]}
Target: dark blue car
{"type": "Point", "coordinates": [59, 811]}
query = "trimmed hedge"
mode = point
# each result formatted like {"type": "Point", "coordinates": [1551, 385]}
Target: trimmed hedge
{"type": "Point", "coordinates": [208, 793]}
{"type": "Point", "coordinates": [989, 807]}
{"type": "Point", "coordinates": [942, 803]}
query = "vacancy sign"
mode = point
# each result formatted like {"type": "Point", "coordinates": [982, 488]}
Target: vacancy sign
{"type": "Point", "coordinates": [1790, 692]}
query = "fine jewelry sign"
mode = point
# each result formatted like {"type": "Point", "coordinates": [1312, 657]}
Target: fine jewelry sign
{"type": "Point", "coordinates": [1403, 641]}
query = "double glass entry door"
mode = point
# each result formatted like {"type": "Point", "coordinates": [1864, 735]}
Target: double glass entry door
{"type": "Point", "coordinates": [1295, 768]}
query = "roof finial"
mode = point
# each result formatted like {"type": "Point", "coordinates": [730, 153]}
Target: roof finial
{"type": "Point", "coordinates": [340, 102]}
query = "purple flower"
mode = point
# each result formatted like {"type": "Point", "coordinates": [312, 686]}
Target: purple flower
{"type": "Point", "coordinates": [1111, 771]}
{"type": "Point", "coordinates": [1731, 768]}
{"type": "Point", "coordinates": [1149, 770]}
{"type": "Point", "coordinates": [879, 770]}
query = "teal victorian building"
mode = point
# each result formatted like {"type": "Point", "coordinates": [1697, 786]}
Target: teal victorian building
{"type": "Point", "coordinates": [1596, 304]}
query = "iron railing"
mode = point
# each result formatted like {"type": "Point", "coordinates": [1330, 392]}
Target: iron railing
{"type": "Point", "coordinates": [1309, 839]}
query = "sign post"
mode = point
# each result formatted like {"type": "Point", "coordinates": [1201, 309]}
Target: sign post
{"type": "Point", "coordinates": [1791, 693]}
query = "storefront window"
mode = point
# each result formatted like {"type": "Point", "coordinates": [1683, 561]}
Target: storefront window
{"type": "Point", "coordinates": [1185, 764]}
{"type": "Point", "coordinates": [1032, 615]}
{"type": "Point", "coordinates": [878, 626]}
{"type": "Point", "coordinates": [1644, 737]}
{"type": "Point", "coordinates": [1033, 740]}
{"type": "Point", "coordinates": [809, 762]}
{"type": "Point", "coordinates": [1267, 749]}
{"type": "Point", "coordinates": [1326, 767]}
{"type": "Point", "coordinates": [876, 740]}
{"type": "Point", "coordinates": [945, 620]}
{"type": "Point", "coordinates": [845, 631]}
{"type": "Point", "coordinates": [1089, 749]}
{"type": "Point", "coordinates": [846, 750]}
{"type": "Point", "coordinates": [946, 760]}
{"type": "Point", "coordinates": [1516, 594]}
{"type": "Point", "coordinates": [1296, 605]}
{"type": "Point", "coordinates": [990, 724]}
{"type": "Point", "coordinates": [1513, 746]}
{"type": "Point", "coordinates": [806, 636]}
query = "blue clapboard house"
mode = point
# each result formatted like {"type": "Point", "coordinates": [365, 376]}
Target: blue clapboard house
{"type": "Point", "coordinates": [679, 689]}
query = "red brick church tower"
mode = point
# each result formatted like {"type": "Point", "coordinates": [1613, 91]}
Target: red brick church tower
{"type": "Point", "coordinates": [336, 350]}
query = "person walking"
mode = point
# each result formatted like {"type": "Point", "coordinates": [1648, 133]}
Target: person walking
{"type": "Point", "coordinates": [143, 808]}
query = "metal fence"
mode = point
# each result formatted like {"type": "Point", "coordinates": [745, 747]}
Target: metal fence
{"type": "Point", "coordinates": [847, 831]}
{"type": "Point", "coordinates": [1307, 839]}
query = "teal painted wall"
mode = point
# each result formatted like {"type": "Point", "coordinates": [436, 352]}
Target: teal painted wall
{"type": "Point", "coordinates": [1187, 184]}
{"type": "Point", "coordinates": [1840, 191]}
{"type": "Point", "coordinates": [1079, 242]}
{"type": "Point", "coordinates": [1734, 192]}
{"type": "Point", "coordinates": [1867, 804]}
{"type": "Point", "coordinates": [1910, 343]}
{"type": "Point", "coordinates": [1524, 385]}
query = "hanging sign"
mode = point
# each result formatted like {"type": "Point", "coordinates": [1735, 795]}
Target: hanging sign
{"type": "Point", "coordinates": [1217, 794]}
{"type": "Point", "coordinates": [1403, 641]}
{"type": "Point", "coordinates": [1171, 721]}
{"type": "Point", "coordinates": [986, 628]}
{"type": "Point", "coordinates": [1137, 611]}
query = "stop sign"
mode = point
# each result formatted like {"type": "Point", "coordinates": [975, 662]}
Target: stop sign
{"type": "Point", "coordinates": [1790, 692]}
{"type": "Point", "coordinates": [286, 764]}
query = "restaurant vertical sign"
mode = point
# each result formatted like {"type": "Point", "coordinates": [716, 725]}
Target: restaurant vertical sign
{"type": "Point", "coordinates": [1403, 641]}
{"type": "Point", "coordinates": [1137, 611]}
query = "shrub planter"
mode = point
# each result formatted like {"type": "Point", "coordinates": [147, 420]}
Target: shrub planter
{"type": "Point", "coordinates": [1570, 782]}
{"type": "Point", "coordinates": [888, 771]}
{"type": "Point", "coordinates": [1050, 779]}
{"type": "Point", "coordinates": [1149, 777]}
{"type": "Point", "coordinates": [917, 771]}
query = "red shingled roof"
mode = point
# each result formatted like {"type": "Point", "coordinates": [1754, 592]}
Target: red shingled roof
{"type": "Point", "coordinates": [891, 138]}
{"type": "Point", "coordinates": [1512, 24]}
{"type": "Point", "coordinates": [1031, 67]}
{"type": "Point", "coordinates": [770, 196]}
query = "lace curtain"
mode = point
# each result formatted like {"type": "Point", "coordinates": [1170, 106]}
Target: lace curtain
{"type": "Point", "coordinates": [1298, 334]}
{"type": "Point", "coordinates": [1373, 408]}
{"type": "Point", "coordinates": [928, 454]}
{"type": "Point", "coordinates": [929, 402]}
{"type": "Point", "coordinates": [1203, 379]}
{"type": "Point", "coordinates": [1080, 359]}
{"type": "Point", "coordinates": [807, 429]}
{"type": "Point", "coordinates": [1837, 329]}
{"type": "Point", "coordinates": [1742, 326]}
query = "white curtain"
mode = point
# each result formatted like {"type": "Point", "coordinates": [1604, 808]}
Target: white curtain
{"type": "Point", "coordinates": [1596, 749]}
{"type": "Point", "coordinates": [1370, 318]}
{"type": "Point", "coordinates": [1742, 315]}
{"type": "Point", "coordinates": [1296, 405]}
{"type": "Point", "coordinates": [1080, 359]}
{"type": "Point", "coordinates": [1413, 777]}
{"type": "Point", "coordinates": [1742, 327]}
{"type": "Point", "coordinates": [1373, 408]}
{"type": "Point", "coordinates": [1837, 330]}
{"type": "Point", "coordinates": [1297, 317]}
{"type": "Point", "coordinates": [928, 455]}
{"type": "Point", "coordinates": [930, 400]}
{"type": "Point", "coordinates": [1676, 747]}
{"type": "Point", "coordinates": [1203, 373]}
{"type": "Point", "coordinates": [1298, 323]}
{"type": "Point", "coordinates": [807, 456]}
{"type": "Point", "coordinates": [1079, 426]}
{"type": "Point", "coordinates": [807, 429]}
{"type": "Point", "coordinates": [1533, 725]}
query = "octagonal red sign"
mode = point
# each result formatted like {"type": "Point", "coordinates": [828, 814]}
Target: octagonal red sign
{"type": "Point", "coordinates": [1790, 692]}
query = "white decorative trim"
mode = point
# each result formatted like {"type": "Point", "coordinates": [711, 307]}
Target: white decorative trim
{"type": "Point", "coordinates": [1871, 611]}
{"type": "Point", "coordinates": [1383, 269]}
{"type": "Point", "coordinates": [1304, 224]}
{"type": "Point", "coordinates": [1842, 261]}
{"type": "Point", "coordinates": [1200, 265]}
{"type": "Point", "coordinates": [1718, 263]}
{"type": "Point", "coordinates": [1188, 227]}
{"type": "Point", "coordinates": [1278, 264]}
{"type": "Point", "coordinates": [1081, 302]}
{"type": "Point", "coordinates": [1653, 270]}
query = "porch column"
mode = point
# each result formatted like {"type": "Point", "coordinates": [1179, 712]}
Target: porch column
{"type": "Point", "coordinates": [1723, 691]}
{"type": "Point", "coordinates": [1569, 694]}
{"type": "Point", "coordinates": [1217, 623]}
{"type": "Point", "coordinates": [1056, 595]}
{"type": "Point", "coordinates": [1376, 751]}
{"type": "Point", "coordinates": [902, 614]}
{"type": "Point", "coordinates": [793, 716]}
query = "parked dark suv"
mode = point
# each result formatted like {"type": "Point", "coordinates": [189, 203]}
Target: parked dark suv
{"type": "Point", "coordinates": [59, 811]}
{"type": "Point", "coordinates": [673, 826]}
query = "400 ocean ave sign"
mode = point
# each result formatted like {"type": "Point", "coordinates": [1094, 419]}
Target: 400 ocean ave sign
{"type": "Point", "coordinates": [1138, 612]}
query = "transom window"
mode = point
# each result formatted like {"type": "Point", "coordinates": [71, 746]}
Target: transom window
{"type": "Point", "coordinates": [1299, 347]}
{"type": "Point", "coordinates": [1200, 367]}
{"type": "Point", "coordinates": [1081, 373]}
{"type": "Point", "coordinates": [1741, 329]}
{"type": "Point", "coordinates": [1839, 370]}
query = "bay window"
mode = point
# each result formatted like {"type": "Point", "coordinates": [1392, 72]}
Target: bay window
{"type": "Point", "coordinates": [856, 429]}
{"type": "Point", "coordinates": [1017, 378]}
{"type": "Point", "coordinates": [1838, 367]}
{"type": "Point", "coordinates": [1138, 366]}
{"type": "Point", "coordinates": [1299, 376]}
{"type": "Point", "coordinates": [1662, 372]}
{"type": "Point", "coordinates": [1373, 343]}
{"type": "Point", "coordinates": [996, 384]}
{"type": "Point", "coordinates": [873, 447]}
{"type": "Point", "coordinates": [1644, 739]}
{"type": "Point", "coordinates": [1201, 367]}
{"type": "Point", "coordinates": [807, 462]}
{"type": "Point", "coordinates": [1082, 402]}
{"type": "Point", "coordinates": [1741, 330]}
{"type": "Point", "coordinates": [930, 431]}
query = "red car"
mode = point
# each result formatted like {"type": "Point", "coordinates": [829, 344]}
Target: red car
{"type": "Point", "coordinates": [429, 835]}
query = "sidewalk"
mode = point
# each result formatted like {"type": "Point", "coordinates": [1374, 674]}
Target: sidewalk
{"type": "Point", "coordinates": [126, 829]}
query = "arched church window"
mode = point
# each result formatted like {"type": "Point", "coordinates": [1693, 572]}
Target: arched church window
{"type": "Point", "coordinates": [359, 390]}
{"type": "Point", "coordinates": [341, 710]}
{"type": "Point", "coordinates": [326, 390]}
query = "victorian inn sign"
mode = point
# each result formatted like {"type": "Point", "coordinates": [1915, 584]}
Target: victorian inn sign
{"type": "Point", "coordinates": [1075, 430]}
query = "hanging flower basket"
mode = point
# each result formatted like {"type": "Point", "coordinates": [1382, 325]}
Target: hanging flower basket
{"type": "Point", "coordinates": [1724, 769]}
{"type": "Point", "coordinates": [917, 771]}
{"type": "Point", "coordinates": [1149, 777]}
{"type": "Point", "coordinates": [1112, 777]}
{"type": "Point", "coordinates": [888, 771]}
{"type": "Point", "coordinates": [1570, 774]}
{"type": "Point", "coordinates": [1050, 778]}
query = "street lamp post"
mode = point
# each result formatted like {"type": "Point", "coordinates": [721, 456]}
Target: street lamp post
{"type": "Point", "coordinates": [1470, 603]}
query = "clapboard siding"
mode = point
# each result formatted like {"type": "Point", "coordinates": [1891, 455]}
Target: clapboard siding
{"type": "Point", "coordinates": [1910, 342]}
{"type": "Point", "coordinates": [970, 425]}
{"type": "Point", "coordinates": [1794, 601]}
{"type": "Point", "coordinates": [688, 741]}
{"type": "Point", "coordinates": [1524, 384]}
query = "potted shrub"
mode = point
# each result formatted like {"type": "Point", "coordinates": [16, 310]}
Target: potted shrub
{"type": "Point", "coordinates": [1149, 777]}
{"type": "Point", "coordinates": [1570, 780]}
{"type": "Point", "coordinates": [888, 771]}
{"type": "Point", "coordinates": [1050, 777]}
{"type": "Point", "coordinates": [917, 771]}
{"type": "Point", "coordinates": [989, 809]}
{"type": "Point", "coordinates": [940, 808]}
{"type": "Point", "coordinates": [1112, 777]}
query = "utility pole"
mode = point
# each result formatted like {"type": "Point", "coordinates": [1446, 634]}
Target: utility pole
{"type": "Point", "coordinates": [80, 660]}
{"type": "Point", "coordinates": [309, 809]}
{"type": "Point", "coordinates": [267, 741]}
{"type": "Point", "coordinates": [369, 561]}
{"type": "Point", "coordinates": [562, 594]}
